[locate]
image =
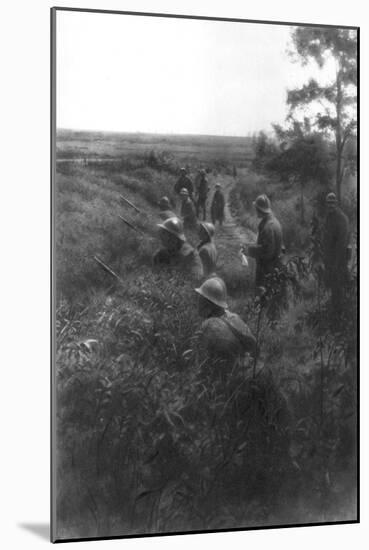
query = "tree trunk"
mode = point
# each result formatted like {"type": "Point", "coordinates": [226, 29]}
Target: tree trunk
{"type": "Point", "coordinates": [339, 143]}
{"type": "Point", "coordinates": [339, 174]}
{"type": "Point", "coordinates": [302, 203]}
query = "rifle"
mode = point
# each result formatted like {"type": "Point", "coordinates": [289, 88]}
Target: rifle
{"type": "Point", "coordinates": [130, 204]}
{"type": "Point", "coordinates": [131, 225]}
{"type": "Point", "coordinates": [107, 269]}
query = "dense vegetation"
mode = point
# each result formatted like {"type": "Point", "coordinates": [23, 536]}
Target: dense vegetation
{"type": "Point", "coordinates": [151, 436]}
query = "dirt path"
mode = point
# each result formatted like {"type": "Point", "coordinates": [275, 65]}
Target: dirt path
{"type": "Point", "coordinates": [232, 228]}
{"type": "Point", "coordinates": [231, 235]}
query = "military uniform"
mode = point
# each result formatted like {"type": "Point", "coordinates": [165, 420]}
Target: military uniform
{"type": "Point", "coordinates": [217, 207]}
{"type": "Point", "coordinates": [208, 255]}
{"type": "Point", "coordinates": [188, 214]}
{"type": "Point", "coordinates": [202, 193]}
{"type": "Point", "coordinates": [186, 260]}
{"type": "Point", "coordinates": [268, 249]}
{"type": "Point", "coordinates": [335, 242]}
{"type": "Point", "coordinates": [227, 336]}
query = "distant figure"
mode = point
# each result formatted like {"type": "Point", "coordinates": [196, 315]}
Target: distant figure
{"type": "Point", "coordinates": [217, 205]}
{"type": "Point", "coordinates": [335, 250]}
{"type": "Point", "coordinates": [165, 211]}
{"type": "Point", "coordinates": [267, 251]}
{"type": "Point", "coordinates": [202, 189]}
{"type": "Point", "coordinates": [176, 252]}
{"type": "Point", "coordinates": [223, 334]}
{"type": "Point", "coordinates": [207, 249]}
{"type": "Point", "coordinates": [184, 182]}
{"type": "Point", "coordinates": [188, 213]}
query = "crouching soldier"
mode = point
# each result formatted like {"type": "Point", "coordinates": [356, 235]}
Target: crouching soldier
{"type": "Point", "coordinates": [207, 249]}
{"type": "Point", "coordinates": [268, 249]}
{"type": "Point", "coordinates": [224, 334]}
{"type": "Point", "coordinates": [176, 252]}
{"type": "Point", "coordinates": [165, 211]}
{"type": "Point", "coordinates": [184, 182]}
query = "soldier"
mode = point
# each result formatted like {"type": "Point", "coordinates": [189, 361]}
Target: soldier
{"type": "Point", "coordinates": [335, 250]}
{"type": "Point", "coordinates": [202, 193]}
{"type": "Point", "coordinates": [184, 182]}
{"type": "Point", "coordinates": [217, 205]}
{"type": "Point", "coordinates": [207, 249]}
{"type": "Point", "coordinates": [224, 334]}
{"type": "Point", "coordinates": [176, 251]}
{"type": "Point", "coordinates": [188, 213]}
{"type": "Point", "coordinates": [268, 248]}
{"type": "Point", "coordinates": [165, 211]}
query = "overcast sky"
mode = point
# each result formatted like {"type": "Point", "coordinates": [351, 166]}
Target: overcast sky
{"type": "Point", "coordinates": [146, 74]}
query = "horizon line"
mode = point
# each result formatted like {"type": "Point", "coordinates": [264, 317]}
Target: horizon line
{"type": "Point", "coordinates": [142, 132]}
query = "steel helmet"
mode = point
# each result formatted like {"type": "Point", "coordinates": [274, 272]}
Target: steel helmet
{"type": "Point", "coordinates": [215, 291]}
{"type": "Point", "coordinates": [331, 198]}
{"type": "Point", "coordinates": [209, 228]}
{"type": "Point", "coordinates": [174, 227]}
{"type": "Point", "coordinates": [184, 192]}
{"type": "Point", "coordinates": [262, 203]}
{"type": "Point", "coordinates": [164, 202]}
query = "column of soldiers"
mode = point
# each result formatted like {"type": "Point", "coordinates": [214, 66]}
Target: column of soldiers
{"type": "Point", "coordinates": [225, 334]}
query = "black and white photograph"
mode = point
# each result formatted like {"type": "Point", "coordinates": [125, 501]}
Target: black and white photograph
{"type": "Point", "coordinates": [204, 274]}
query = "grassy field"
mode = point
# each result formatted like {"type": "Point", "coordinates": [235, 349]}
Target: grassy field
{"type": "Point", "coordinates": [151, 435]}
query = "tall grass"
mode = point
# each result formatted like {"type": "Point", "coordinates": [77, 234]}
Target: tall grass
{"type": "Point", "coordinates": [151, 435]}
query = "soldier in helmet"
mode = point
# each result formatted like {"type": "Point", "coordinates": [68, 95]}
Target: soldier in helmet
{"type": "Point", "coordinates": [224, 334]}
{"type": "Point", "coordinates": [188, 213]}
{"type": "Point", "coordinates": [217, 205]}
{"type": "Point", "coordinates": [176, 252]}
{"type": "Point", "coordinates": [184, 182]}
{"type": "Point", "coordinates": [335, 250]}
{"type": "Point", "coordinates": [202, 189]}
{"type": "Point", "coordinates": [268, 248]}
{"type": "Point", "coordinates": [207, 249]}
{"type": "Point", "coordinates": [165, 211]}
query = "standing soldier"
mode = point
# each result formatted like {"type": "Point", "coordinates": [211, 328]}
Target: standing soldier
{"type": "Point", "coordinates": [184, 182]}
{"type": "Point", "coordinates": [335, 250]}
{"type": "Point", "coordinates": [202, 193]}
{"type": "Point", "coordinates": [217, 205]}
{"type": "Point", "coordinates": [165, 211]}
{"type": "Point", "coordinates": [176, 252]}
{"type": "Point", "coordinates": [207, 249]}
{"type": "Point", "coordinates": [268, 248]}
{"type": "Point", "coordinates": [188, 213]}
{"type": "Point", "coordinates": [223, 334]}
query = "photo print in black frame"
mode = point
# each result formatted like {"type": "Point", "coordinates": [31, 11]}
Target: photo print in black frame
{"type": "Point", "coordinates": [204, 274]}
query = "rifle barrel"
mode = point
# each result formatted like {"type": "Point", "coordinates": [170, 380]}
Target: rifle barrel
{"type": "Point", "coordinates": [130, 204]}
{"type": "Point", "coordinates": [131, 225]}
{"type": "Point", "coordinates": [107, 268]}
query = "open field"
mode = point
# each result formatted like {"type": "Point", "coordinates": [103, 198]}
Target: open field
{"type": "Point", "coordinates": [193, 149]}
{"type": "Point", "coordinates": [152, 436]}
